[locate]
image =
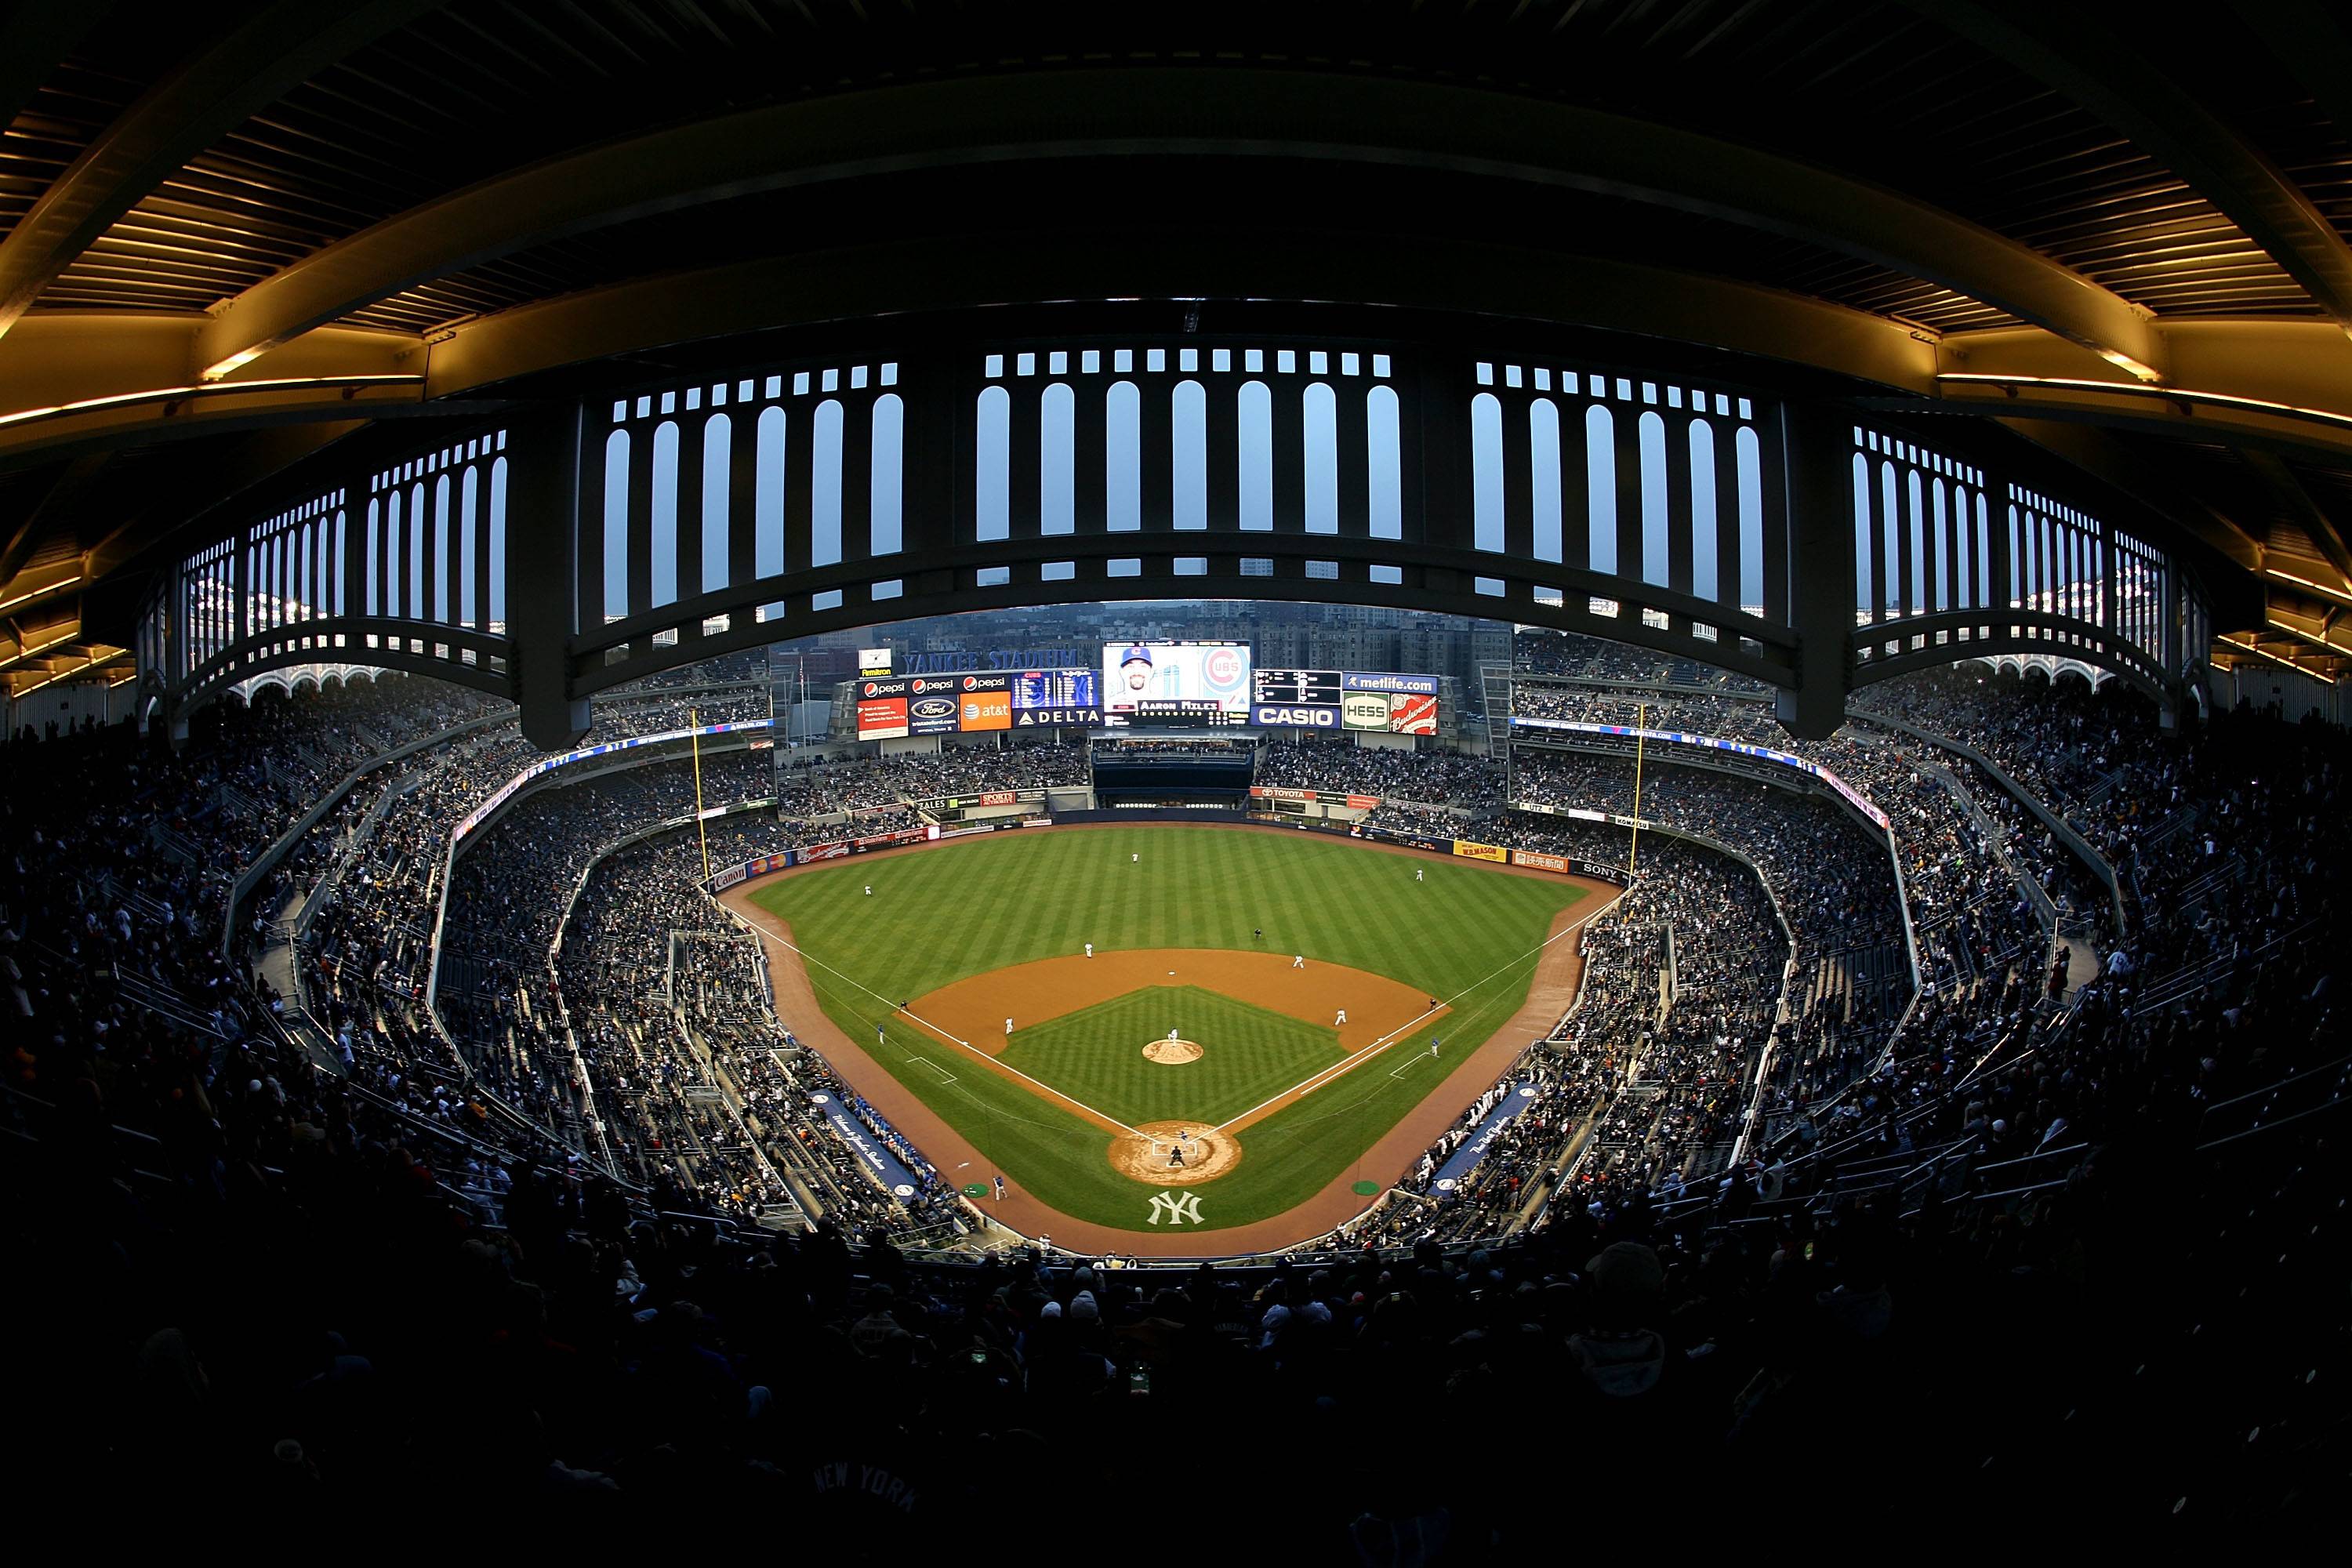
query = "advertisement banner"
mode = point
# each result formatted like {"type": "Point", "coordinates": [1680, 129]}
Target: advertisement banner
{"type": "Point", "coordinates": [1470, 850]}
{"type": "Point", "coordinates": [869, 1150]}
{"type": "Point", "coordinates": [999, 797]}
{"type": "Point", "coordinates": [1411, 684]}
{"type": "Point", "coordinates": [1270, 792]}
{"type": "Point", "coordinates": [1304, 716]}
{"type": "Point", "coordinates": [1496, 1109]}
{"type": "Point", "coordinates": [728, 875]}
{"type": "Point", "coordinates": [1412, 715]}
{"type": "Point", "coordinates": [874, 661]}
{"type": "Point", "coordinates": [983, 681]}
{"type": "Point", "coordinates": [1366, 711]}
{"type": "Point", "coordinates": [986, 709]}
{"type": "Point", "coordinates": [1058, 718]}
{"type": "Point", "coordinates": [1853, 796]}
{"type": "Point", "coordinates": [833, 851]}
{"type": "Point", "coordinates": [505, 792]}
{"type": "Point", "coordinates": [1362, 802]}
{"type": "Point", "coordinates": [928, 715]}
{"type": "Point", "coordinates": [881, 719]}
{"type": "Point", "coordinates": [879, 840]}
{"type": "Point", "coordinates": [1540, 860]}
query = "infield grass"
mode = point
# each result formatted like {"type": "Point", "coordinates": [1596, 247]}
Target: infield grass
{"type": "Point", "coordinates": [1463, 933]}
{"type": "Point", "coordinates": [1249, 1055]}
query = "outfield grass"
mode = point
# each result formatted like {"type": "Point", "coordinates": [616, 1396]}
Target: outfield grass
{"type": "Point", "coordinates": [1464, 933]}
{"type": "Point", "coordinates": [1249, 1055]}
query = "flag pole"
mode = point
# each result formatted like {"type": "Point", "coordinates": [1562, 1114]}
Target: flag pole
{"type": "Point", "coordinates": [1634, 846]}
{"type": "Point", "coordinates": [694, 736]}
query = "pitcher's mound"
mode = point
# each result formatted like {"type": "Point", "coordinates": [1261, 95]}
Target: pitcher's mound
{"type": "Point", "coordinates": [1170, 1052]}
{"type": "Point", "coordinates": [1145, 1154]}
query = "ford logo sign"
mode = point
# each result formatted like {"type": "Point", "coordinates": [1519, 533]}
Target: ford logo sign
{"type": "Point", "coordinates": [933, 708]}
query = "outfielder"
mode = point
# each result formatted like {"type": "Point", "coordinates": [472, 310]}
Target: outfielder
{"type": "Point", "coordinates": [1090, 950]}
{"type": "Point", "coordinates": [1298, 961]}
{"type": "Point", "coordinates": [870, 889]}
{"type": "Point", "coordinates": [1417, 871]}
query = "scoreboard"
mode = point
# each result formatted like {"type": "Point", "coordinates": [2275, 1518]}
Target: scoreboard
{"type": "Point", "coordinates": [1290, 688]}
{"type": "Point", "coordinates": [1343, 700]}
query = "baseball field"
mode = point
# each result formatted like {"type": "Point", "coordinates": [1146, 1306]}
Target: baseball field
{"type": "Point", "coordinates": [1254, 1029]}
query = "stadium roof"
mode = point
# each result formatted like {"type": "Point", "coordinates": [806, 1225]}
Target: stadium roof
{"type": "Point", "coordinates": [231, 234]}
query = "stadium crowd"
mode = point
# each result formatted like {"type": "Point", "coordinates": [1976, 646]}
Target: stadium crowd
{"type": "Point", "coordinates": [318, 1282]}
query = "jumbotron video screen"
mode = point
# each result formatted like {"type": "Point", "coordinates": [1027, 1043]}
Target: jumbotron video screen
{"type": "Point", "coordinates": [1160, 679]}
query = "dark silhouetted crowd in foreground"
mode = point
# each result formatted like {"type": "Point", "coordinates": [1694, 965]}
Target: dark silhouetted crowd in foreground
{"type": "Point", "coordinates": [2025, 1246]}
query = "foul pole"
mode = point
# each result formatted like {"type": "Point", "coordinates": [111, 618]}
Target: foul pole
{"type": "Point", "coordinates": [1633, 846]}
{"type": "Point", "coordinates": [694, 738]}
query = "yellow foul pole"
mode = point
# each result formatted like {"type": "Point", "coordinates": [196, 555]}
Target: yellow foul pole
{"type": "Point", "coordinates": [1632, 846]}
{"type": "Point", "coordinates": [693, 724]}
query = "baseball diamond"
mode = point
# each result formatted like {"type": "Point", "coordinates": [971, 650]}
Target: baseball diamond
{"type": "Point", "coordinates": [1285, 1125]}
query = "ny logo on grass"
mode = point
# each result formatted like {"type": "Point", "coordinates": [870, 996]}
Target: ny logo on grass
{"type": "Point", "coordinates": [1178, 1207]}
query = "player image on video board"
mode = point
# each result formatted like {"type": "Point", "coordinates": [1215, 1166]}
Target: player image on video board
{"type": "Point", "coordinates": [1139, 677]}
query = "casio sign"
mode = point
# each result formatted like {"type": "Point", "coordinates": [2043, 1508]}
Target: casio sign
{"type": "Point", "coordinates": [1299, 717]}
{"type": "Point", "coordinates": [933, 708]}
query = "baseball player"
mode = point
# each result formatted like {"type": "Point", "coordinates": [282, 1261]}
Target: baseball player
{"type": "Point", "coordinates": [1135, 859]}
{"type": "Point", "coordinates": [1135, 674]}
{"type": "Point", "coordinates": [1090, 950]}
{"type": "Point", "coordinates": [1257, 934]}
{"type": "Point", "coordinates": [1172, 1034]}
{"type": "Point", "coordinates": [1416, 874]}
{"type": "Point", "coordinates": [1433, 1043]}
{"type": "Point", "coordinates": [1008, 1025]}
{"type": "Point", "coordinates": [1175, 1156]}
{"type": "Point", "coordinates": [870, 889]}
{"type": "Point", "coordinates": [999, 1189]}
{"type": "Point", "coordinates": [1340, 1019]}
{"type": "Point", "coordinates": [1297, 961]}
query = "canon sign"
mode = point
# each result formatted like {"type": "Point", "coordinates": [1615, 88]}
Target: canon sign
{"type": "Point", "coordinates": [1273, 716]}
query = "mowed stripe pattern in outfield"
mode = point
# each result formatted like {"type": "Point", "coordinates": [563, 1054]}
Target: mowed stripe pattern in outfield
{"type": "Point", "coordinates": [966, 908]}
{"type": "Point", "coordinates": [1095, 1055]}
